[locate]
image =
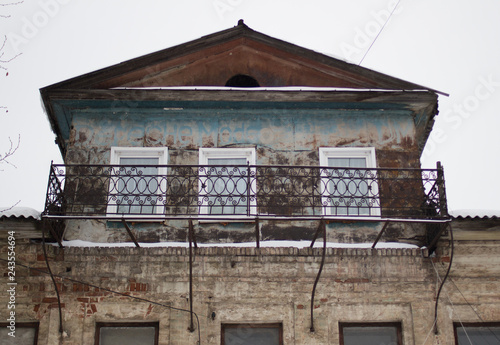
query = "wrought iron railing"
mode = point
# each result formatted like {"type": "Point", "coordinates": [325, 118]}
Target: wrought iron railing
{"type": "Point", "coordinates": [233, 192]}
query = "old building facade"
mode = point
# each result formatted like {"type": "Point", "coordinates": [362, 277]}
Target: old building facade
{"type": "Point", "coordinates": [239, 189]}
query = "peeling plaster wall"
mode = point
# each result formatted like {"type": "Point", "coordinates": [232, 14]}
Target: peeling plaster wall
{"type": "Point", "coordinates": [290, 137]}
{"type": "Point", "coordinates": [280, 136]}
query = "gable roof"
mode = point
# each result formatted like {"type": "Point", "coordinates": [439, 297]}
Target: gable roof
{"type": "Point", "coordinates": [212, 60]}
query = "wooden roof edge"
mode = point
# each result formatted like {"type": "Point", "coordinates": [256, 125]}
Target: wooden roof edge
{"type": "Point", "coordinates": [87, 80]}
{"type": "Point", "coordinates": [415, 99]}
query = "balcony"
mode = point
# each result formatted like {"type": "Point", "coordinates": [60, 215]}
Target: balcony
{"type": "Point", "coordinates": [232, 193]}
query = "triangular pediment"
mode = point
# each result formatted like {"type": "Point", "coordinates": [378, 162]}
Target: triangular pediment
{"type": "Point", "coordinates": [212, 60]}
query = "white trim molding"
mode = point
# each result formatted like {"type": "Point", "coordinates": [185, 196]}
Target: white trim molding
{"type": "Point", "coordinates": [239, 207]}
{"type": "Point", "coordinates": [347, 192]}
{"type": "Point", "coordinates": [117, 153]}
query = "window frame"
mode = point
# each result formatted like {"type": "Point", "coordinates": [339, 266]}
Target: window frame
{"type": "Point", "coordinates": [486, 324]}
{"type": "Point", "coordinates": [346, 152]}
{"type": "Point", "coordinates": [250, 325]}
{"type": "Point", "coordinates": [29, 324]}
{"type": "Point", "coordinates": [133, 324]}
{"type": "Point", "coordinates": [397, 325]}
{"type": "Point", "coordinates": [248, 153]}
{"type": "Point", "coordinates": [118, 152]}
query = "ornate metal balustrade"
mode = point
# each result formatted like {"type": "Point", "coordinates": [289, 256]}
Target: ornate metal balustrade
{"type": "Point", "coordinates": [232, 192]}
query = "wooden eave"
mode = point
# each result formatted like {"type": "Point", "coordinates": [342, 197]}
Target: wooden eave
{"type": "Point", "coordinates": [25, 228]}
{"type": "Point", "coordinates": [413, 99]}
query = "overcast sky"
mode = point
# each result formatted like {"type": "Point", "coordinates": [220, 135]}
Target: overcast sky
{"type": "Point", "coordinates": [449, 45]}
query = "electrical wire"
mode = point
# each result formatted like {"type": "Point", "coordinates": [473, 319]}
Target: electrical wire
{"type": "Point", "coordinates": [429, 333]}
{"type": "Point", "coordinates": [53, 280]}
{"type": "Point", "coordinates": [444, 279]}
{"type": "Point", "coordinates": [451, 302]}
{"type": "Point", "coordinates": [383, 26]}
{"type": "Point", "coordinates": [323, 254]}
{"type": "Point", "coordinates": [474, 310]}
{"type": "Point", "coordinates": [115, 292]}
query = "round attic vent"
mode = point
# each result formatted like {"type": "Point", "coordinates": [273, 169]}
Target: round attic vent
{"type": "Point", "coordinates": [242, 80]}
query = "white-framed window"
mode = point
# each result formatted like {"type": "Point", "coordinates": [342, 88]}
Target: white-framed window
{"type": "Point", "coordinates": [349, 186]}
{"type": "Point", "coordinates": [137, 183]}
{"type": "Point", "coordinates": [227, 182]}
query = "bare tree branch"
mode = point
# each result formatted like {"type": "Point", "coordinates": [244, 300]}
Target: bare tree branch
{"type": "Point", "coordinates": [11, 207]}
{"type": "Point", "coordinates": [9, 4]}
{"type": "Point", "coordinates": [2, 54]}
{"type": "Point", "coordinates": [12, 3]}
{"type": "Point", "coordinates": [4, 158]}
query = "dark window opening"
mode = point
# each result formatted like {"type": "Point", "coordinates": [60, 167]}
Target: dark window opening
{"type": "Point", "coordinates": [377, 333]}
{"type": "Point", "coordinates": [124, 333]}
{"type": "Point", "coordinates": [487, 333]}
{"type": "Point", "coordinates": [250, 334]}
{"type": "Point", "coordinates": [22, 333]}
{"type": "Point", "coordinates": [242, 80]}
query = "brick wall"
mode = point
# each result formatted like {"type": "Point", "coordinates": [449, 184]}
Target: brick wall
{"type": "Point", "coordinates": [243, 285]}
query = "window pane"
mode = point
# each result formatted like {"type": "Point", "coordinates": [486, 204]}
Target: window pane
{"type": "Point", "coordinates": [478, 335]}
{"type": "Point", "coordinates": [23, 335]}
{"type": "Point", "coordinates": [127, 335]}
{"type": "Point", "coordinates": [377, 335]}
{"type": "Point", "coordinates": [226, 187]}
{"type": "Point", "coordinates": [245, 335]}
{"type": "Point", "coordinates": [137, 186]}
{"type": "Point", "coordinates": [348, 188]}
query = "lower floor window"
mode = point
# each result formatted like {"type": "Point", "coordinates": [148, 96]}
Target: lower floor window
{"type": "Point", "coordinates": [23, 333]}
{"type": "Point", "coordinates": [370, 333]}
{"type": "Point", "coordinates": [125, 333]}
{"type": "Point", "coordinates": [249, 334]}
{"type": "Point", "coordinates": [477, 333]}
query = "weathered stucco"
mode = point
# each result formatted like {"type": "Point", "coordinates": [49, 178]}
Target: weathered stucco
{"type": "Point", "coordinates": [230, 232]}
{"type": "Point", "coordinates": [295, 135]}
{"type": "Point", "coordinates": [289, 137]}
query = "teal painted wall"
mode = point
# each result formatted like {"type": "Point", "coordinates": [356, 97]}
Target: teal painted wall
{"type": "Point", "coordinates": [290, 132]}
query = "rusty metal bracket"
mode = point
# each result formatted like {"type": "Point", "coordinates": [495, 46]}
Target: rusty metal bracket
{"type": "Point", "coordinates": [55, 235]}
{"type": "Point", "coordinates": [380, 234]}
{"type": "Point", "coordinates": [191, 240]}
{"type": "Point", "coordinates": [323, 227]}
{"type": "Point", "coordinates": [257, 233]}
{"type": "Point", "coordinates": [130, 233]}
{"type": "Point", "coordinates": [441, 231]}
{"type": "Point", "coordinates": [192, 234]}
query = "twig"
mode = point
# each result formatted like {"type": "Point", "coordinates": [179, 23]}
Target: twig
{"type": "Point", "coordinates": [2, 53]}
{"type": "Point", "coordinates": [10, 152]}
{"type": "Point", "coordinates": [10, 208]}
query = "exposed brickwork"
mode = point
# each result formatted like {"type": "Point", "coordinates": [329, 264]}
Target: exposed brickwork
{"type": "Point", "coordinates": [261, 285]}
